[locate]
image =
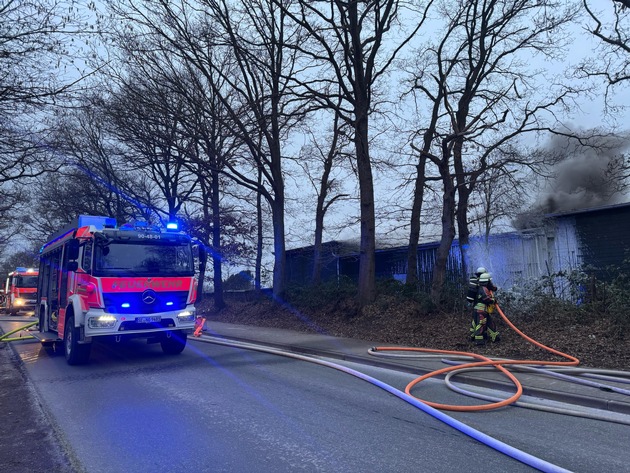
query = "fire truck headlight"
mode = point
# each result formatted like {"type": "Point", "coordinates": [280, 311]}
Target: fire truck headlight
{"type": "Point", "coordinates": [104, 321]}
{"type": "Point", "coordinates": [19, 301]}
{"type": "Point", "coordinates": [186, 316]}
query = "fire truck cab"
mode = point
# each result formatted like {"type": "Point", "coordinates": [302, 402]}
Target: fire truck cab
{"type": "Point", "coordinates": [99, 281]}
{"type": "Point", "coordinates": [20, 291]}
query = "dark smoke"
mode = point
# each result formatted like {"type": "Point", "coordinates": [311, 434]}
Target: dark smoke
{"type": "Point", "coordinates": [585, 175]}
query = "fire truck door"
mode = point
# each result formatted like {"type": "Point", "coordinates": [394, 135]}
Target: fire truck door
{"type": "Point", "coordinates": [51, 286]}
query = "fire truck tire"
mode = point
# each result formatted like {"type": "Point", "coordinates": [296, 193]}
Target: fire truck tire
{"type": "Point", "coordinates": [76, 354]}
{"type": "Point", "coordinates": [174, 344]}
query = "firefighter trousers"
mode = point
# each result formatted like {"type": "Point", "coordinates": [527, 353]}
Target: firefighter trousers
{"type": "Point", "coordinates": [483, 328]}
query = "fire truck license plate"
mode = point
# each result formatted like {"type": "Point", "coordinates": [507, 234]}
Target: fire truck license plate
{"type": "Point", "coordinates": [147, 320]}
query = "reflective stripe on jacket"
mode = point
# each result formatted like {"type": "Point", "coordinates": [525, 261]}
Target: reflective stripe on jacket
{"type": "Point", "coordinates": [485, 297]}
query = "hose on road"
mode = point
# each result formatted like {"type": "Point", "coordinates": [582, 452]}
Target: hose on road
{"type": "Point", "coordinates": [486, 439]}
{"type": "Point", "coordinates": [543, 367]}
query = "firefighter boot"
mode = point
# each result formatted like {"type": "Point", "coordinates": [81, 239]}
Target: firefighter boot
{"type": "Point", "coordinates": [494, 335]}
{"type": "Point", "coordinates": [472, 330]}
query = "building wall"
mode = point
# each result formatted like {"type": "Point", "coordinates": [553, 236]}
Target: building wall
{"type": "Point", "coordinates": [595, 238]}
{"type": "Point", "coordinates": [604, 237]}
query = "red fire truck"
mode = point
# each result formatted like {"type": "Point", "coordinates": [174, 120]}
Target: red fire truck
{"type": "Point", "coordinates": [99, 281]}
{"type": "Point", "coordinates": [20, 291]}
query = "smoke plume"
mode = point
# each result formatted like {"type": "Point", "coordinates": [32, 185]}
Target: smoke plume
{"type": "Point", "coordinates": [586, 174]}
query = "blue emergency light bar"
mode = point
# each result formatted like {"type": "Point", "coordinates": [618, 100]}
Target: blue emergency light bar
{"type": "Point", "coordinates": [97, 221]}
{"type": "Point", "coordinates": [172, 226]}
{"type": "Point", "coordinates": [140, 226]}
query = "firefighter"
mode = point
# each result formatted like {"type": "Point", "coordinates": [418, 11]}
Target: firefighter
{"type": "Point", "coordinates": [485, 303]}
{"type": "Point", "coordinates": [471, 296]}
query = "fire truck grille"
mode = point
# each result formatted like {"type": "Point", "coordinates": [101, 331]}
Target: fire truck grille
{"type": "Point", "coordinates": [164, 323]}
{"type": "Point", "coordinates": [133, 303]}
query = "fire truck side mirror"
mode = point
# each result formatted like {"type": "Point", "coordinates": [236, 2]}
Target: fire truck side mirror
{"type": "Point", "coordinates": [73, 249]}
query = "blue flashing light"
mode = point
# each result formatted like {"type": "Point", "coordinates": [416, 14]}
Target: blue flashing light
{"type": "Point", "coordinates": [169, 303]}
{"type": "Point", "coordinates": [98, 221]}
{"type": "Point", "coordinates": [172, 226]}
{"type": "Point", "coordinates": [125, 305]}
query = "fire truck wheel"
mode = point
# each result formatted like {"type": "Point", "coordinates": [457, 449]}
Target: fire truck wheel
{"type": "Point", "coordinates": [174, 344]}
{"type": "Point", "coordinates": [76, 354]}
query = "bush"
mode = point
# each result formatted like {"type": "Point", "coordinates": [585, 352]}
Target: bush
{"type": "Point", "coordinates": [239, 282]}
{"type": "Point", "coordinates": [341, 296]}
{"type": "Point", "coordinates": [575, 296]}
{"type": "Point", "coordinates": [323, 294]}
{"type": "Point", "coordinates": [564, 297]}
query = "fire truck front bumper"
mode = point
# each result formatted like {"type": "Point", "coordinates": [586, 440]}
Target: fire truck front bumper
{"type": "Point", "coordinates": [23, 304]}
{"type": "Point", "coordinates": [101, 323]}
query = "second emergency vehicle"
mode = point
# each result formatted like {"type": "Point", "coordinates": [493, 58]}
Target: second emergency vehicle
{"type": "Point", "coordinates": [99, 281]}
{"type": "Point", "coordinates": [20, 291]}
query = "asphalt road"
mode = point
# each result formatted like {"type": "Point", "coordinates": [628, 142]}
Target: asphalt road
{"type": "Point", "coordinates": [216, 408]}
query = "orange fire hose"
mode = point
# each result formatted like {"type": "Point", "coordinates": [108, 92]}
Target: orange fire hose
{"type": "Point", "coordinates": [499, 364]}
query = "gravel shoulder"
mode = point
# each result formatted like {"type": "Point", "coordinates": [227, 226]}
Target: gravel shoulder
{"type": "Point", "coordinates": [28, 440]}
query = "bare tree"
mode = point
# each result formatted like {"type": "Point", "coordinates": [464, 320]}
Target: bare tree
{"type": "Point", "coordinates": [612, 29]}
{"type": "Point", "coordinates": [349, 42]}
{"type": "Point", "coordinates": [486, 95]}
{"type": "Point", "coordinates": [220, 224]}
{"type": "Point", "coordinates": [36, 64]}
{"type": "Point", "coordinates": [36, 74]}
{"type": "Point", "coordinates": [147, 117]}
{"type": "Point", "coordinates": [497, 200]}
{"type": "Point", "coordinates": [326, 151]}
{"type": "Point", "coordinates": [256, 34]}
{"type": "Point", "coordinates": [94, 178]}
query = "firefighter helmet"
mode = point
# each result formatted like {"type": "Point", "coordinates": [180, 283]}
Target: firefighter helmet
{"type": "Point", "coordinates": [481, 270]}
{"type": "Point", "coordinates": [484, 279]}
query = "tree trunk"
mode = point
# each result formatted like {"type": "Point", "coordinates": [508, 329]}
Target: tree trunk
{"type": "Point", "coordinates": [203, 263]}
{"type": "Point", "coordinates": [219, 302]}
{"type": "Point", "coordinates": [317, 246]}
{"type": "Point", "coordinates": [448, 233]}
{"type": "Point", "coordinates": [367, 268]}
{"type": "Point", "coordinates": [463, 230]}
{"type": "Point", "coordinates": [279, 263]}
{"type": "Point", "coordinates": [259, 237]}
{"type": "Point", "coordinates": [414, 232]}
{"type": "Point", "coordinates": [319, 222]}
{"type": "Point", "coordinates": [463, 195]}
{"type": "Point", "coordinates": [277, 211]}
{"type": "Point", "coordinates": [320, 211]}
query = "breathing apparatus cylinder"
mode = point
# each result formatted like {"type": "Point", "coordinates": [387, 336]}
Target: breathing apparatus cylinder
{"type": "Point", "coordinates": [473, 286]}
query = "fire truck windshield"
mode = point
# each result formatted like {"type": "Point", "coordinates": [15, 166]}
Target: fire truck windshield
{"type": "Point", "coordinates": [26, 281]}
{"type": "Point", "coordinates": [137, 258]}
